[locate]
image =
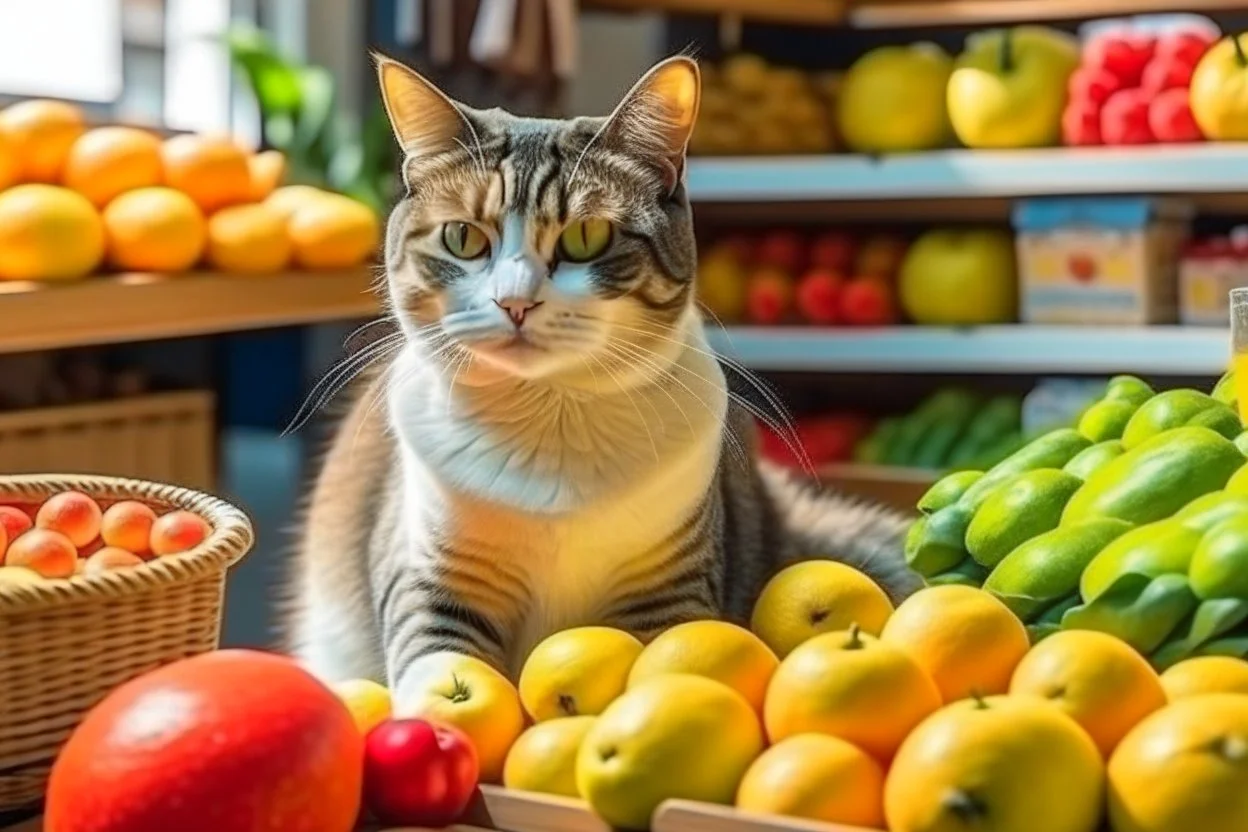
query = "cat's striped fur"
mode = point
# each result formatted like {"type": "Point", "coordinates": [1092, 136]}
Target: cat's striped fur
{"type": "Point", "coordinates": [499, 481]}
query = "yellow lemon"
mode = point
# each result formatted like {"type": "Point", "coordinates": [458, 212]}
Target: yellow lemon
{"type": "Point", "coordinates": [1006, 764]}
{"type": "Point", "coordinates": [816, 777]}
{"type": "Point", "coordinates": [368, 702]}
{"type": "Point", "coordinates": [673, 737]}
{"type": "Point", "coordinates": [577, 672]}
{"type": "Point", "coordinates": [472, 696]}
{"type": "Point", "coordinates": [714, 649]}
{"type": "Point", "coordinates": [1185, 767]}
{"type": "Point", "coordinates": [543, 759]}
{"type": "Point", "coordinates": [1205, 674]}
{"type": "Point", "coordinates": [48, 233]}
{"type": "Point", "coordinates": [818, 596]}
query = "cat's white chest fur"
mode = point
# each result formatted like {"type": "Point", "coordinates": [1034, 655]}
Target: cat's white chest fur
{"type": "Point", "coordinates": [568, 489]}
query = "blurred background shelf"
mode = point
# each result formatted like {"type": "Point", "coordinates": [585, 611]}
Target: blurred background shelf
{"type": "Point", "coordinates": [900, 488]}
{"type": "Point", "coordinates": [144, 307]}
{"type": "Point", "coordinates": [896, 14]}
{"type": "Point", "coordinates": [966, 174]}
{"type": "Point", "coordinates": [1012, 349]}
{"type": "Point", "coordinates": [799, 12]}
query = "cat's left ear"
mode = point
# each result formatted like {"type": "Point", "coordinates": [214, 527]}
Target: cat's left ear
{"type": "Point", "coordinates": [424, 119]}
{"type": "Point", "coordinates": [657, 115]}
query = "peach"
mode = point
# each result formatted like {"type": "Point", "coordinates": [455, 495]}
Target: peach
{"type": "Point", "coordinates": [178, 531]}
{"type": "Point", "coordinates": [110, 558]}
{"type": "Point", "coordinates": [14, 521]}
{"type": "Point", "coordinates": [51, 554]}
{"type": "Point", "coordinates": [128, 525]}
{"type": "Point", "coordinates": [73, 514]}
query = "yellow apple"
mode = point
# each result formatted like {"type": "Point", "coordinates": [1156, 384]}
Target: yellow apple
{"type": "Point", "coordinates": [1219, 91]}
{"type": "Point", "coordinates": [1008, 89]}
{"type": "Point", "coordinates": [892, 100]}
{"type": "Point", "coordinates": [960, 276]}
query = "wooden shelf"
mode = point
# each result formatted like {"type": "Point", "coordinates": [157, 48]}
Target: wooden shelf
{"type": "Point", "coordinates": [903, 14]}
{"type": "Point", "coordinates": [900, 488]}
{"type": "Point", "coordinates": [145, 307]}
{"type": "Point", "coordinates": [803, 12]}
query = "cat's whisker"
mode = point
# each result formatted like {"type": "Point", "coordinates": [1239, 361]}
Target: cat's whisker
{"type": "Point", "coordinates": [340, 376]}
{"type": "Point", "coordinates": [623, 389]}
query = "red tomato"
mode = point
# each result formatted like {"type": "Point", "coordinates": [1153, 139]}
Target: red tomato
{"type": "Point", "coordinates": [417, 773]}
{"type": "Point", "coordinates": [232, 740]}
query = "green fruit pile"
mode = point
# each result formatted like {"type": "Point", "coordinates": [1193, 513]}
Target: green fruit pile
{"type": "Point", "coordinates": [951, 429]}
{"type": "Point", "coordinates": [1134, 523]}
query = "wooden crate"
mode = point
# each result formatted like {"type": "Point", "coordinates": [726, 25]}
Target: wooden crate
{"type": "Point", "coordinates": [163, 437]}
{"type": "Point", "coordinates": [899, 488]}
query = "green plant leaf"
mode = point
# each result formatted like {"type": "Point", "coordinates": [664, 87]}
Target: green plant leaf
{"type": "Point", "coordinates": [272, 79]}
{"type": "Point", "coordinates": [316, 89]}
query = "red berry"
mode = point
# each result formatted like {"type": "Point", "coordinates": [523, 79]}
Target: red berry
{"type": "Point", "coordinates": [783, 250]}
{"type": "Point", "coordinates": [867, 301]}
{"type": "Point", "coordinates": [1091, 84]}
{"type": "Point", "coordinates": [1186, 45]}
{"type": "Point", "coordinates": [1170, 117]}
{"type": "Point", "coordinates": [1124, 118]}
{"type": "Point", "coordinates": [768, 297]}
{"type": "Point", "coordinates": [832, 250]}
{"type": "Point", "coordinates": [1081, 124]}
{"type": "Point", "coordinates": [819, 296]}
{"type": "Point", "coordinates": [1164, 74]}
{"type": "Point", "coordinates": [1122, 52]}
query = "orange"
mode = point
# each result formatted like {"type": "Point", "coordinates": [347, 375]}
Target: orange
{"type": "Point", "coordinates": [333, 232]}
{"type": "Point", "coordinates": [109, 161]}
{"type": "Point", "coordinates": [154, 230]}
{"type": "Point", "coordinates": [288, 199]}
{"type": "Point", "coordinates": [816, 777]}
{"type": "Point", "coordinates": [248, 238]}
{"type": "Point", "coordinates": [713, 649]}
{"type": "Point", "coordinates": [48, 233]}
{"type": "Point", "coordinates": [1185, 767]}
{"type": "Point", "coordinates": [966, 640]}
{"type": "Point", "coordinates": [266, 170]}
{"type": "Point", "coordinates": [42, 133]}
{"type": "Point", "coordinates": [212, 170]}
{"type": "Point", "coordinates": [10, 165]}
{"type": "Point", "coordinates": [470, 695]}
{"type": "Point", "coordinates": [817, 596]}
{"type": "Point", "coordinates": [1005, 764]}
{"type": "Point", "coordinates": [853, 686]}
{"type": "Point", "coordinates": [1096, 679]}
{"type": "Point", "coordinates": [1205, 674]}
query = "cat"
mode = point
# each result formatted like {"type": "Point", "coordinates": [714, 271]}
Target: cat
{"type": "Point", "coordinates": [550, 441]}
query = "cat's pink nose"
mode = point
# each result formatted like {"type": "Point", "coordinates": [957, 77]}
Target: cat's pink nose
{"type": "Point", "coordinates": [517, 308]}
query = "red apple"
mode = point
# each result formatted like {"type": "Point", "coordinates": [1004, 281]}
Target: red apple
{"type": "Point", "coordinates": [768, 297]}
{"type": "Point", "coordinates": [1164, 74]}
{"type": "Point", "coordinates": [819, 296]}
{"type": "Point", "coordinates": [832, 250]}
{"type": "Point", "coordinates": [1124, 118]}
{"type": "Point", "coordinates": [1123, 52]}
{"type": "Point", "coordinates": [1093, 85]}
{"type": "Point", "coordinates": [783, 250]}
{"type": "Point", "coordinates": [868, 301]}
{"type": "Point", "coordinates": [417, 773]}
{"type": "Point", "coordinates": [1081, 124]}
{"type": "Point", "coordinates": [1186, 45]}
{"type": "Point", "coordinates": [1170, 117]}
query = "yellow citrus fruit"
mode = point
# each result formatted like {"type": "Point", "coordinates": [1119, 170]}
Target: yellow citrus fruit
{"type": "Point", "coordinates": [18, 576]}
{"type": "Point", "coordinates": [966, 640]}
{"type": "Point", "coordinates": [108, 161]}
{"type": "Point", "coordinates": [472, 696]}
{"type": "Point", "coordinates": [42, 133]}
{"type": "Point", "coordinates": [1099, 681]}
{"type": "Point", "coordinates": [1185, 767]}
{"type": "Point", "coordinates": [543, 759]}
{"type": "Point", "coordinates": [48, 233]}
{"type": "Point", "coordinates": [818, 596]}
{"type": "Point", "coordinates": [368, 702]}
{"type": "Point", "coordinates": [1009, 764]}
{"type": "Point", "coordinates": [10, 167]}
{"type": "Point", "coordinates": [212, 170]}
{"type": "Point", "coordinates": [714, 649]}
{"type": "Point", "coordinates": [248, 239]}
{"type": "Point", "coordinates": [673, 737]}
{"type": "Point", "coordinates": [1205, 674]}
{"type": "Point", "coordinates": [266, 169]}
{"type": "Point", "coordinates": [853, 686]}
{"type": "Point", "coordinates": [288, 199]}
{"type": "Point", "coordinates": [154, 229]}
{"type": "Point", "coordinates": [577, 672]}
{"type": "Point", "coordinates": [816, 777]}
{"type": "Point", "coordinates": [333, 232]}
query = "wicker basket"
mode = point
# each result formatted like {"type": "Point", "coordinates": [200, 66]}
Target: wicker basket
{"type": "Point", "coordinates": [65, 644]}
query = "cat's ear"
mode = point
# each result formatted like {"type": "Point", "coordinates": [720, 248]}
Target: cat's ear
{"type": "Point", "coordinates": [425, 121]}
{"type": "Point", "coordinates": [657, 116]}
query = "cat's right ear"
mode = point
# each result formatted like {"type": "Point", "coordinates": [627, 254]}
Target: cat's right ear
{"type": "Point", "coordinates": [425, 121]}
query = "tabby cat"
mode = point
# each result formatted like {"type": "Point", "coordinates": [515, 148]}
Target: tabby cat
{"type": "Point", "coordinates": [550, 442]}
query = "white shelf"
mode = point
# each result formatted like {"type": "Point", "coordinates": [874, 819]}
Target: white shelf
{"type": "Point", "coordinates": [967, 174]}
{"type": "Point", "coordinates": [1012, 349]}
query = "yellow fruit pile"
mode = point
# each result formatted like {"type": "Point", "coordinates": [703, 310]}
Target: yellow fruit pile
{"type": "Point", "coordinates": [938, 715]}
{"type": "Point", "coordinates": [75, 198]}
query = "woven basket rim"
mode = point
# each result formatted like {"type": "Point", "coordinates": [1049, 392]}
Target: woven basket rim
{"type": "Point", "coordinates": [232, 537]}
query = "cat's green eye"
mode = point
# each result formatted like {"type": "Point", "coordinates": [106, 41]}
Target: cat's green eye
{"type": "Point", "coordinates": [584, 240]}
{"type": "Point", "coordinates": [465, 240]}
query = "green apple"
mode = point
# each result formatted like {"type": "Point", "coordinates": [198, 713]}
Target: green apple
{"type": "Point", "coordinates": [892, 100]}
{"type": "Point", "coordinates": [1008, 89]}
{"type": "Point", "coordinates": [956, 276]}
